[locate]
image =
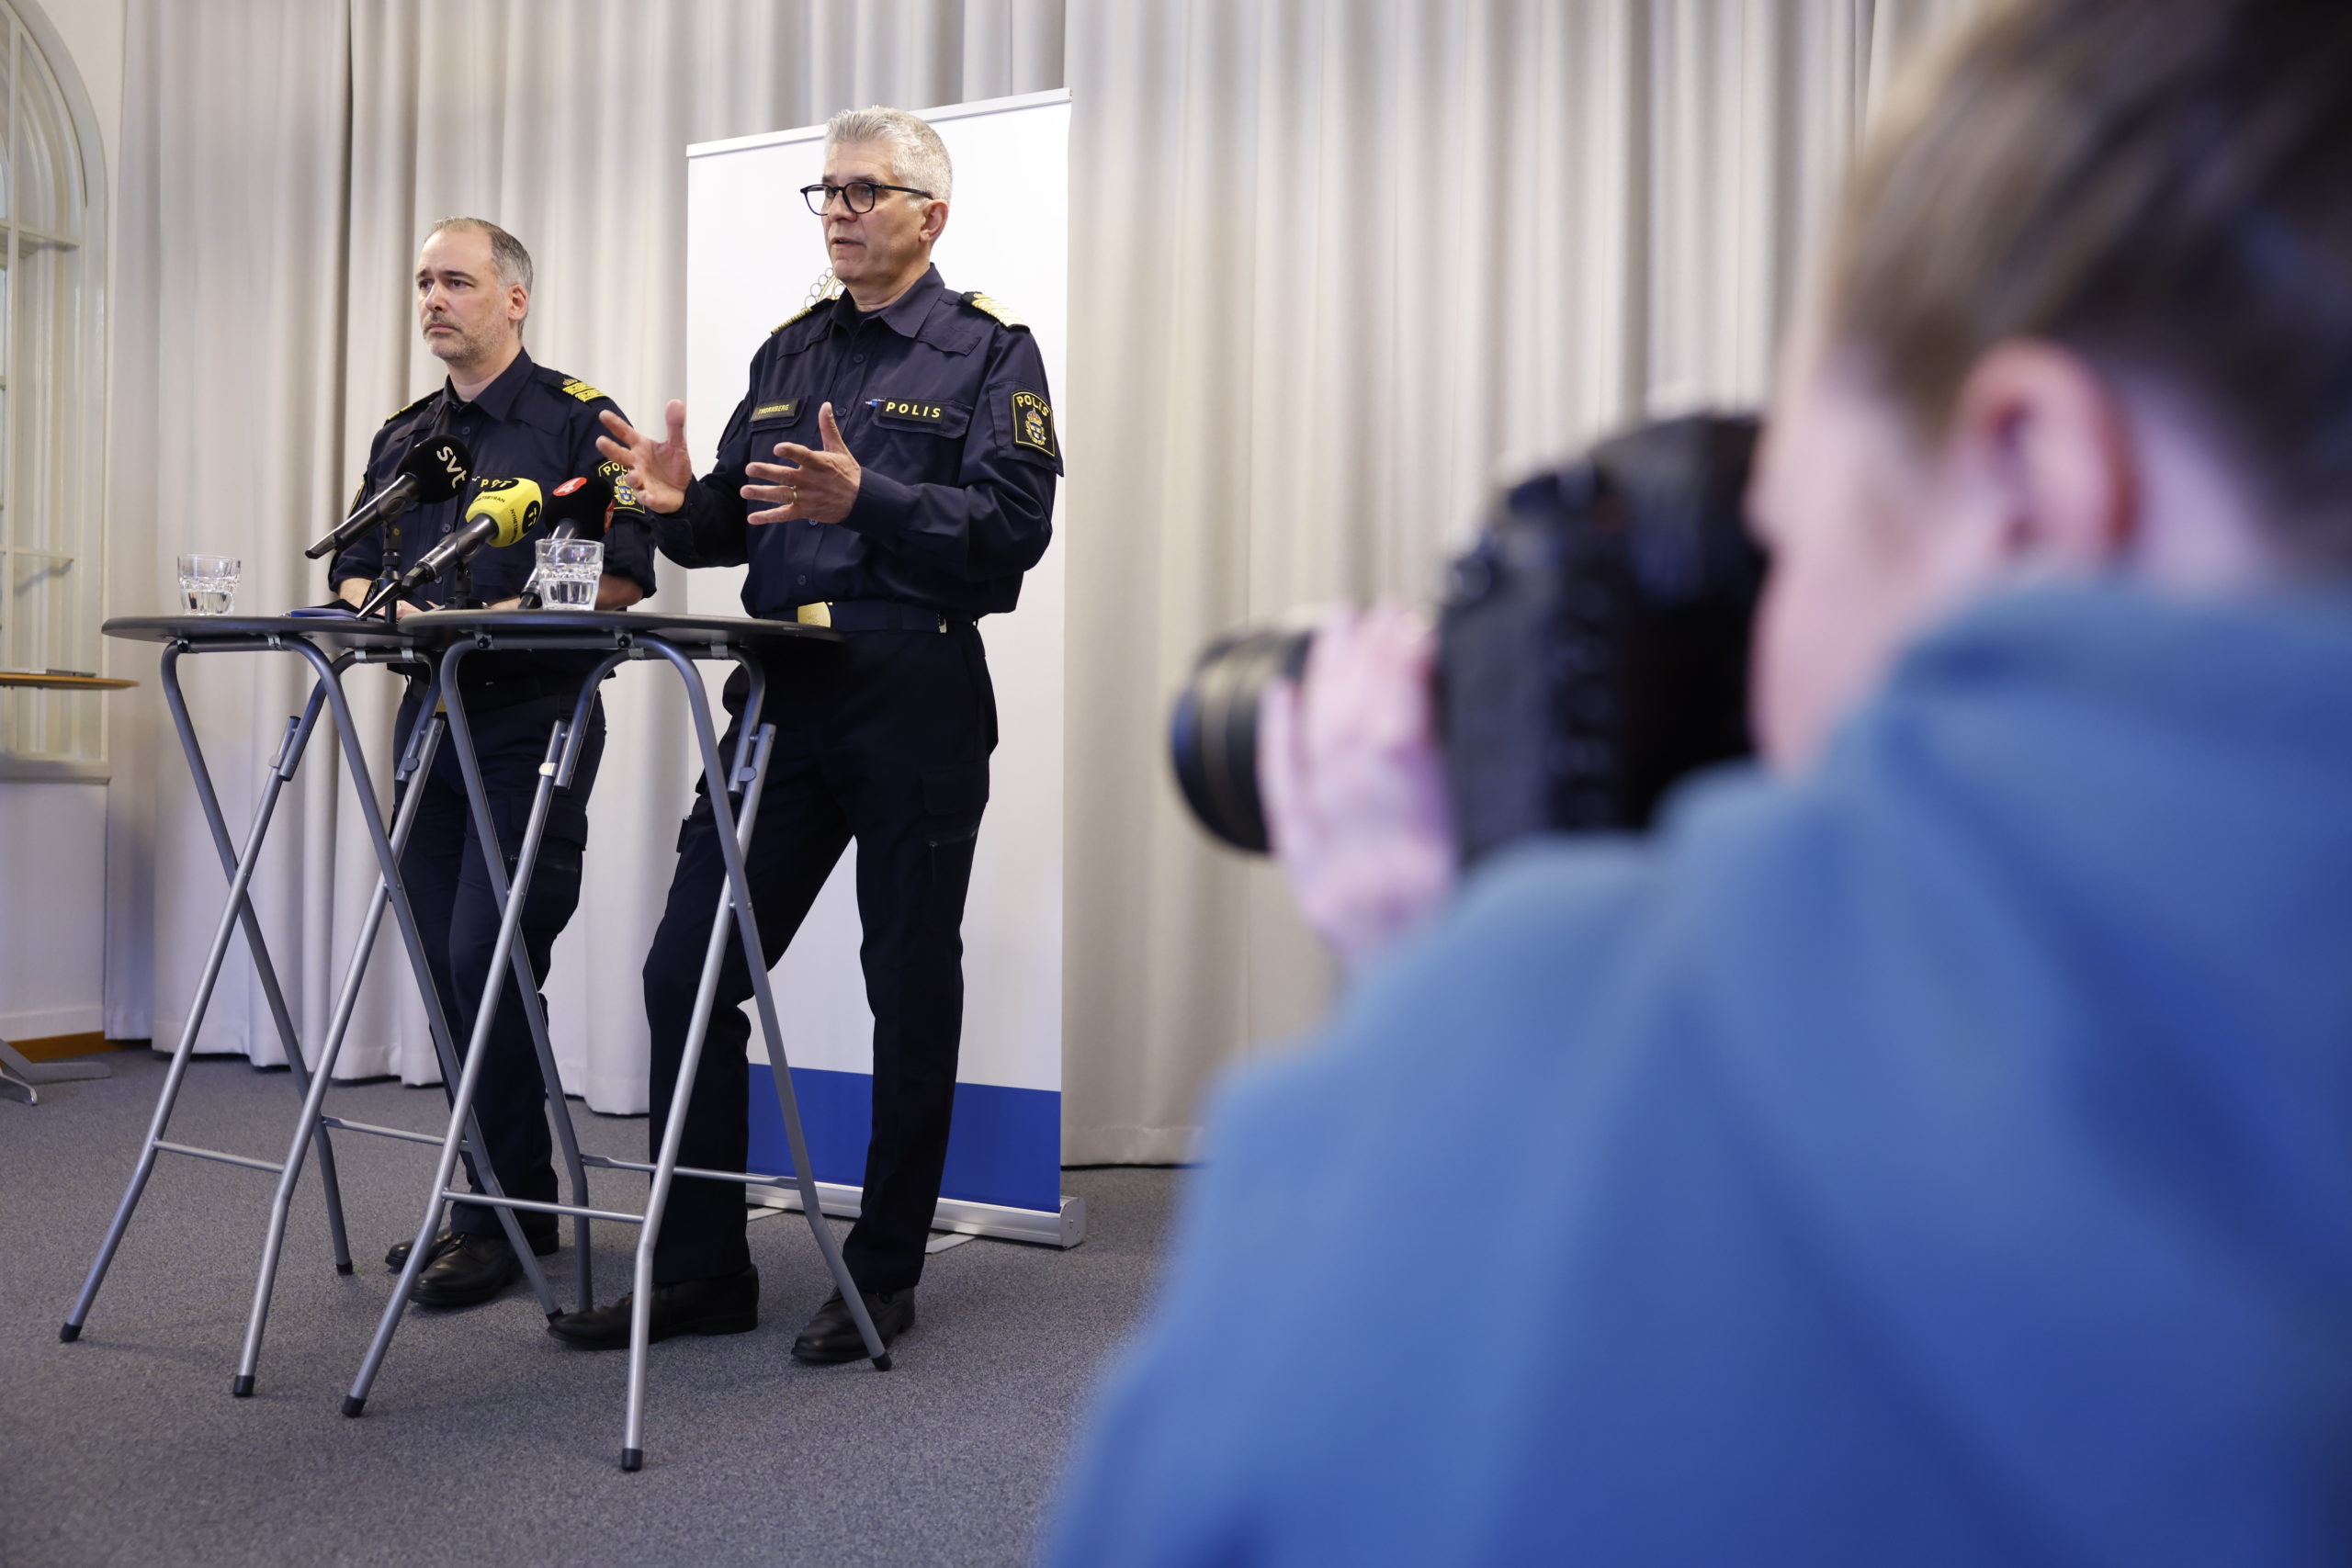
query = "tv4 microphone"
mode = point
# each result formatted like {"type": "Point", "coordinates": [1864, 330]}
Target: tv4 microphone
{"type": "Point", "coordinates": [434, 469]}
{"type": "Point", "coordinates": [581, 507]}
{"type": "Point", "coordinates": [501, 513]}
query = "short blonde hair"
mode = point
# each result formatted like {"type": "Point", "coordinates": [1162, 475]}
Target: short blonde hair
{"type": "Point", "coordinates": [2159, 185]}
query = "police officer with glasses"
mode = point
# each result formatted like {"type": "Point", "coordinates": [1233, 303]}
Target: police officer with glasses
{"type": "Point", "coordinates": [889, 473]}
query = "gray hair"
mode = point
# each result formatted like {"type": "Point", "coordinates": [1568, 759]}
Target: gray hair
{"type": "Point", "coordinates": [918, 157]}
{"type": "Point", "coordinates": [506, 252]}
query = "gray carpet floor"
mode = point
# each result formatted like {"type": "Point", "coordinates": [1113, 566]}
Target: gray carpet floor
{"type": "Point", "coordinates": [485, 1440]}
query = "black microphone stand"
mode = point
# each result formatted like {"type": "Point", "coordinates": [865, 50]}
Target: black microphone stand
{"type": "Point", "coordinates": [391, 572]}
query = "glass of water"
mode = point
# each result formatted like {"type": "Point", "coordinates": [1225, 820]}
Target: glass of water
{"type": "Point", "coordinates": [209, 583]}
{"type": "Point", "coordinates": [569, 572]}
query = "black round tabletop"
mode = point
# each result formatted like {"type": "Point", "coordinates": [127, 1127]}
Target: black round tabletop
{"type": "Point", "coordinates": [434, 628]}
{"type": "Point", "coordinates": [336, 629]}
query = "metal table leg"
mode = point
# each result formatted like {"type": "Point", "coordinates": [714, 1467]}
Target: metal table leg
{"type": "Point", "coordinates": [780, 1070]}
{"type": "Point", "coordinates": [265, 972]}
{"type": "Point", "coordinates": [236, 911]}
{"type": "Point", "coordinates": [416, 760]}
{"type": "Point", "coordinates": [527, 984]}
{"type": "Point", "coordinates": [734, 836]}
{"type": "Point", "coordinates": [404, 921]}
{"type": "Point", "coordinates": [462, 1106]}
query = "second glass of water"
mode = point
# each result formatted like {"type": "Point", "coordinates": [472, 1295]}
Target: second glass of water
{"type": "Point", "coordinates": [209, 583]}
{"type": "Point", "coordinates": [569, 572]}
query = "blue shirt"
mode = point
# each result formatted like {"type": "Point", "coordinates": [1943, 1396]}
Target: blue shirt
{"type": "Point", "coordinates": [1946, 1159]}
{"type": "Point", "coordinates": [942, 398]}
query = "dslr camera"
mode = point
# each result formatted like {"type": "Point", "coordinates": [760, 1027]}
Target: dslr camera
{"type": "Point", "coordinates": [1593, 648]}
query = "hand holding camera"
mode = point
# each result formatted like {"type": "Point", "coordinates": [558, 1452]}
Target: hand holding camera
{"type": "Point", "coordinates": [1354, 784]}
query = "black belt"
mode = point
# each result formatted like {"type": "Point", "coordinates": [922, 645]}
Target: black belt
{"type": "Point", "coordinates": [871, 615]}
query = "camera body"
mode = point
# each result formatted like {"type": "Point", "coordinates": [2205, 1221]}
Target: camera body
{"type": "Point", "coordinates": [1593, 648]}
{"type": "Point", "coordinates": [1594, 645]}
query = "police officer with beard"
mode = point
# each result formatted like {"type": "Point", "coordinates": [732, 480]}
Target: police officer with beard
{"type": "Point", "coordinates": [520, 420]}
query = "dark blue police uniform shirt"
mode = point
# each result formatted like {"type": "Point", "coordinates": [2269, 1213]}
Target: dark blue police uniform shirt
{"type": "Point", "coordinates": [530, 423]}
{"type": "Point", "coordinates": [942, 398]}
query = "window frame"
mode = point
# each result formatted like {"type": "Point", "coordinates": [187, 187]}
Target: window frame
{"type": "Point", "coordinates": [83, 447]}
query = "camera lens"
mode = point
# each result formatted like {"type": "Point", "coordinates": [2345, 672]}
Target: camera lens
{"type": "Point", "coordinates": [1212, 731]}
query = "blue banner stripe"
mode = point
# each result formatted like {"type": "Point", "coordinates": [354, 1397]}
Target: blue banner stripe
{"type": "Point", "coordinates": [1006, 1146]}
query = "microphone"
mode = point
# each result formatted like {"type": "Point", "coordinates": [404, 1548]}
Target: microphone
{"type": "Point", "coordinates": [434, 469]}
{"type": "Point", "coordinates": [501, 513]}
{"type": "Point", "coordinates": [581, 507]}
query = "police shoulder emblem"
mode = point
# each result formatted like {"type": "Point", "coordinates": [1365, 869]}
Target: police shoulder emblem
{"type": "Point", "coordinates": [581, 389]}
{"type": "Point", "coordinates": [988, 307]}
{"type": "Point", "coordinates": [412, 408]}
{"type": "Point", "coordinates": [798, 314]}
{"type": "Point", "coordinates": [1033, 423]}
{"type": "Point", "coordinates": [624, 493]}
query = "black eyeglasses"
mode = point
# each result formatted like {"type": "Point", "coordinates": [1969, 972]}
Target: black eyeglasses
{"type": "Point", "coordinates": [859, 196]}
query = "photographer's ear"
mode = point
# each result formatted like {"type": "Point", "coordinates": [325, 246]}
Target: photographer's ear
{"type": "Point", "coordinates": [2039, 472]}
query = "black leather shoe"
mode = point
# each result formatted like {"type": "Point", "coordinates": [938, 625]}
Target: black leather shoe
{"type": "Point", "coordinates": [473, 1269]}
{"type": "Point", "coordinates": [832, 1335]}
{"type": "Point", "coordinates": [727, 1304]}
{"type": "Point", "coordinates": [397, 1258]}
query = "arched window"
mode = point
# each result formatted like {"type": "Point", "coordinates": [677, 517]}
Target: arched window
{"type": "Point", "coordinates": [51, 391]}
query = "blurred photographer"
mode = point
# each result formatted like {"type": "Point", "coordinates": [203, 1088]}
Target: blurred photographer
{"type": "Point", "coordinates": [1937, 1149]}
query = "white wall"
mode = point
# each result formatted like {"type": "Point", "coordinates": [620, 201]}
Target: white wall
{"type": "Point", "coordinates": [52, 911]}
{"type": "Point", "coordinates": [52, 836]}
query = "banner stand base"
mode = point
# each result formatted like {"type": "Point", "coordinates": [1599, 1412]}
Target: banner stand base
{"type": "Point", "coordinates": [1064, 1227]}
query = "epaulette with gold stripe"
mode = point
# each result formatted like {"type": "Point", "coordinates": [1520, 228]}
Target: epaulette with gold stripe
{"type": "Point", "coordinates": [988, 307]}
{"type": "Point", "coordinates": [412, 407]}
{"type": "Point", "coordinates": [581, 389]}
{"type": "Point", "coordinates": [798, 314]}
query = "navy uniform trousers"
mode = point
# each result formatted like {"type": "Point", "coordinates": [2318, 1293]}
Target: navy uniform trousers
{"type": "Point", "coordinates": [449, 886]}
{"type": "Point", "coordinates": [884, 738]}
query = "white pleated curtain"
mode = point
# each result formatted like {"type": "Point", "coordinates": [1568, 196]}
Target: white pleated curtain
{"type": "Point", "coordinates": [1337, 267]}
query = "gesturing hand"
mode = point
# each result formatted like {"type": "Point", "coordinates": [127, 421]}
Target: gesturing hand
{"type": "Point", "coordinates": [1353, 787]}
{"type": "Point", "coordinates": [658, 470]}
{"type": "Point", "coordinates": [816, 487]}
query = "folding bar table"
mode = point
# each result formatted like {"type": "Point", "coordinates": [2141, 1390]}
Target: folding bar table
{"type": "Point", "coordinates": [620, 637]}
{"type": "Point", "coordinates": [309, 639]}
